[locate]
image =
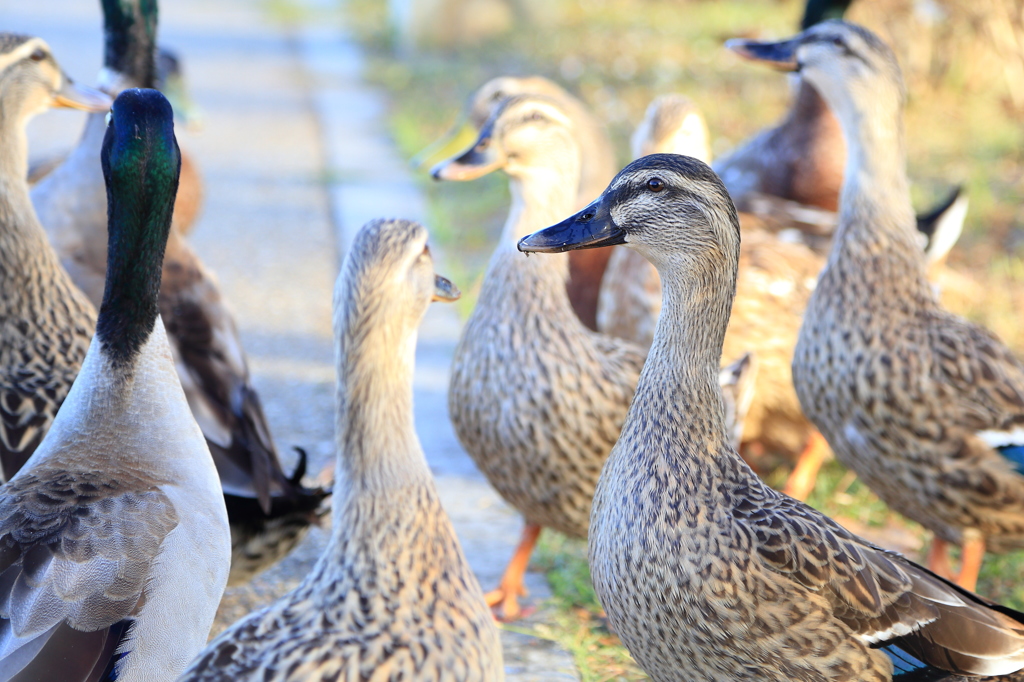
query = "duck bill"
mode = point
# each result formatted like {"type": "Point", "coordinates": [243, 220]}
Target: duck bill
{"type": "Point", "coordinates": [781, 55]}
{"type": "Point", "coordinates": [444, 290]}
{"type": "Point", "coordinates": [482, 158]}
{"type": "Point", "coordinates": [73, 96]}
{"type": "Point", "coordinates": [451, 143]}
{"type": "Point", "coordinates": [590, 228]}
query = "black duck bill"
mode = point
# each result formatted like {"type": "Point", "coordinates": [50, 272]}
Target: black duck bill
{"type": "Point", "coordinates": [444, 290]}
{"type": "Point", "coordinates": [781, 55]}
{"type": "Point", "coordinates": [590, 228]}
{"type": "Point", "coordinates": [482, 158]}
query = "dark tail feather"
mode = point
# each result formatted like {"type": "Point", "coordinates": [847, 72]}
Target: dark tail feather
{"type": "Point", "coordinates": [927, 222]}
{"type": "Point", "coordinates": [300, 467]}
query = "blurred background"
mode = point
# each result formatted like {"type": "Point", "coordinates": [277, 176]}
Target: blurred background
{"type": "Point", "coordinates": [963, 61]}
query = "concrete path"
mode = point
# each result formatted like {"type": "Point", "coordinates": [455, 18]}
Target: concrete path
{"type": "Point", "coordinates": [296, 158]}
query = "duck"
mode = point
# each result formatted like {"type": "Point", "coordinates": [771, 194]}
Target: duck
{"type": "Point", "coordinates": [630, 295]}
{"type": "Point", "coordinates": [926, 407]}
{"type": "Point", "coordinates": [170, 80]}
{"type": "Point", "coordinates": [270, 510]}
{"type": "Point", "coordinates": [598, 166]}
{"type": "Point", "coordinates": [705, 572]}
{"type": "Point", "coordinates": [46, 323]}
{"type": "Point", "coordinates": [790, 175]}
{"type": "Point", "coordinates": [535, 397]}
{"type": "Point", "coordinates": [114, 538]}
{"type": "Point", "coordinates": [775, 282]}
{"type": "Point", "coordinates": [392, 596]}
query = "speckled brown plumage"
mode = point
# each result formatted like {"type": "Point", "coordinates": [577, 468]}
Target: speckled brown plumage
{"type": "Point", "coordinates": [911, 397]}
{"type": "Point", "coordinates": [536, 398]}
{"type": "Point", "coordinates": [775, 281]}
{"type": "Point", "coordinates": [392, 598]}
{"type": "Point", "coordinates": [598, 165]}
{"type": "Point", "coordinates": [45, 322]}
{"type": "Point", "coordinates": [706, 573]}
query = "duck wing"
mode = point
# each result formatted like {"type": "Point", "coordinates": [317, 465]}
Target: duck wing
{"type": "Point", "coordinates": [886, 601]}
{"type": "Point", "coordinates": [215, 377]}
{"type": "Point", "coordinates": [981, 386]}
{"type": "Point", "coordinates": [76, 552]}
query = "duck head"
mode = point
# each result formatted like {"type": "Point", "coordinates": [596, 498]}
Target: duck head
{"type": "Point", "coordinates": [672, 125]}
{"type": "Point", "coordinates": [671, 209]}
{"type": "Point", "coordinates": [388, 280]}
{"type": "Point", "coordinates": [853, 69]}
{"type": "Point", "coordinates": [480, 106]}
{"type": "Point", "coordinates": [526, 134]}
{"type": "Point", "coordinates": [31, 81]}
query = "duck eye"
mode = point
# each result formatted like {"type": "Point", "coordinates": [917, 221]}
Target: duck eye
{"type": "Point", "coordinates": [655, 184]}
{"type": "Point", "coordinates": [426, 250]}
{"type": "Point", "coordinates": [38, 55]}
{"type": "Point", "coordinates": [838, 41]}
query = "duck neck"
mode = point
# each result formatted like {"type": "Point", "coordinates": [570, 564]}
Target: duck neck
{"type": "Point", "coordinates": [541, 196]}
{"type": "Point", "coordinates": [26, 258]}
{"type": "Point", "coordinates": [378, 449]}
{"type": "Point", "coordinates": [14, 156]}
{"type": "Point", "coordinates": [139, 205]}
{"type": "Point", "coordinates": [875, 203]}
{"type": "Point", "coordinates": [129, 28]}
{"type": "Point", "coordinates": [680, 377]}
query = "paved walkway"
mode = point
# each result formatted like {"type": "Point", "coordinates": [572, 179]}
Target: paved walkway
{"type": "Point", "coordinates": [296, 158]}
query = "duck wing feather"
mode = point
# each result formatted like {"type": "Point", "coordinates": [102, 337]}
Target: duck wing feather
{"type": "Point", "coordinates": [215, 377]}
{"type": "Point", "coordinates": [76, 552]}
{"type": "Point", "coordinates": [883, 598]}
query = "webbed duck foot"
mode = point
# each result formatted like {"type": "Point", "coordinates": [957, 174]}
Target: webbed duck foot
{"type": "Point", "coordinates": [801, 482]}
{"type": "Point", "coordinates": [505, 599]}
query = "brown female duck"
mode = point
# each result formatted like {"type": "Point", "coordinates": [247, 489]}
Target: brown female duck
{"type": "Point", "coordinates": [705, 572]}
{"type": "Point", "coordinates": [927, 408]}
{"type": "Point", "coordinates": [586, 268]}
{"type": "Point", "coordinates": [392, 597]}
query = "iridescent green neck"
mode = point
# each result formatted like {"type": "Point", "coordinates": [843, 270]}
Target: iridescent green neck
{"type": "Point", "coordinates": [141, 163]}
{"type": "Point", "coordinates": [130, 40]}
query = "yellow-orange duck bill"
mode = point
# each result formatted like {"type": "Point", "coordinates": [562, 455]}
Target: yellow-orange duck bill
{"type": "Point", "coordinates": [74, 96]}
{"type": "Point", "coordinates": [781, 55]}
{"type": "Point", "coordinates": [482, 158]}
{"type": "Point", "coordinates": [448, 145]}
{"type": "Point", "coordinates": [590, 228]}
{"type": "Point", "coordinates": [444, 290]}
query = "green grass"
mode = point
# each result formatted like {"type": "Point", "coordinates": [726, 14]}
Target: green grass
{"type": "Point", "coordinates": [617, 55]}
